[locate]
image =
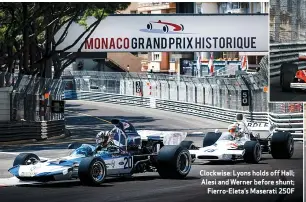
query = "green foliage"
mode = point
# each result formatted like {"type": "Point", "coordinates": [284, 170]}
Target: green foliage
{"type": "Point", "coordinates": [16, 19]}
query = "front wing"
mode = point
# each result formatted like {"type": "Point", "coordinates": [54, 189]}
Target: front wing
{"type": "Point", "coordinates": [298, 85]}
{"type": "Point", "coordinates": [217, 155]}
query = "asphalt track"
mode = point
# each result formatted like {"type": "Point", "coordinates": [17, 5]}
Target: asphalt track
{"type": "Point", "coordinates": [276, 94]}
{"type": "Point", "coordinates": [144, 187]}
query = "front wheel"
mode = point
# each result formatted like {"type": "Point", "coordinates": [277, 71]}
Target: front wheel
{"type": "Point", "coordinates": [173, 161]}
{"type": "Point", "coordinates": [92, 171]}
{"type": "Point", "coordinates": [252, 152]}
{"type": "Point", "coordinates": [26, 159]}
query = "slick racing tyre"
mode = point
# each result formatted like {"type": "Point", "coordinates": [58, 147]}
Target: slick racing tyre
{"type": "Point", "coordinates": [26, 159]}
{"type": "Point", "coordinates": [92, 171]}
{"type": "Point", "coordinates": [287, 76]}
{"type": "Point", "coordinates": [210, 138]}
{"type": "Point", "coordinates": [188, 145]}
{"type": "Point", "coordinates": [252, 152]}
{"type": "Point", "coordinates": [174, 162]}
{"type": "Point", "coordinates": [282, 145]}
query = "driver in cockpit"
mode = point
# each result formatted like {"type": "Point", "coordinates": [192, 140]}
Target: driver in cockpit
{"type": "Point", "coordinates": [115, 137]}
{"type": "Point", "coordinates": [235, 131]}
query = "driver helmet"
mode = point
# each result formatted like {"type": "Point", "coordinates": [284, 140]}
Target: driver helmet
{"type": "Point", "coordinates": [102, 138]}
{"type": "Point", "coordinates": [233, 129]}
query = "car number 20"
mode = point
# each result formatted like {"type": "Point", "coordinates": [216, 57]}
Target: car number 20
{"type": "Point", "coordinates": [128, 162]}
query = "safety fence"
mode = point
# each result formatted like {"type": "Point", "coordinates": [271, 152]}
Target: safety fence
{"type": "Point", "coordinates": [29, 103]}
{"type": "Point", "coordinates": [291, 122]}
{"type": "Point", "coordinates": [285, 53]}
{"type": "Point", "coordinates": [222, 92]}
{"type": "Point", "coordinates": [27, 91]}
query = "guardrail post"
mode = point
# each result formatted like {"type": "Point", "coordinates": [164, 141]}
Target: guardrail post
{"type": "Point", "coordinates": [178, 92]}
{"type": "Point", "coordinates": [196, 94]}
{"type": "Point", "coordinates": [186, 92]}
{"type": "Point", "coordinates": [160, 87]}
{"type": "Point", "coordinates": [204, 95]}
{"type": "Point", "coordinates": [169, 91]}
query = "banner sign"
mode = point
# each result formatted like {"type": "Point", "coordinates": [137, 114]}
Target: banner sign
{"type": "Point", "coordinates": [177, 33]}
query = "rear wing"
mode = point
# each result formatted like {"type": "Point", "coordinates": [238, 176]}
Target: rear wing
{"type": "Point", "coordinates": [168, 137]}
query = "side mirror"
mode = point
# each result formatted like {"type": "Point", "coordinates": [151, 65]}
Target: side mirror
{"type": "Point", "coordinates": [239, 117]}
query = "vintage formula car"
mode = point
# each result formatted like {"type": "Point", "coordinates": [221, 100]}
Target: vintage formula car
{"type": "Point", "coordinates": [124, 153]}
{"type": "Point", "coordinates": [291, 77]}
{"type": "Point", "coordinates": [248, 146]}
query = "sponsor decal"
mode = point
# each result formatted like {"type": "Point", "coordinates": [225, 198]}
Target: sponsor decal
{"type": "Point", "coordinates": [161, 27]}
{"type": "Point", "coordinates": [209, 150]}
{"type": "Point", "coordinates": [258, 124]}
{"type": "Point", "coordinates": [162, 43]}
{"type": "Point", "coordinates": [121, 163]}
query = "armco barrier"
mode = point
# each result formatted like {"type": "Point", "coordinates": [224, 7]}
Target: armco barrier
{"type": "Point", "coordinates": [23, 130]}
{"type": "Point", "coordinates": [292, 123]}
{"type": "Point", "coordinates": [283, 53]}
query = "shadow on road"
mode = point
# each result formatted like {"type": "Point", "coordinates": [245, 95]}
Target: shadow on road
{"type": "Point", "coordinates": [107, 183]}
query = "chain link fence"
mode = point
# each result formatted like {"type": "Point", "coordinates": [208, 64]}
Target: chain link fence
{"type": "Point", "coordinates": [287, 20]}
{"type": "Point", "coordinates": [26, 93]}
{"type": "Point", "coordinates": [223, 92]}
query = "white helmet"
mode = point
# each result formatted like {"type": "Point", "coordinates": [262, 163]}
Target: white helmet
{"type": "Point", "coordinates": [233, 128]}
{"type": "Point", "coordinates": [101, 137]}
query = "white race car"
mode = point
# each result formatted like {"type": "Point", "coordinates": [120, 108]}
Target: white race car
{"type": "Point", "coordinates": [222, 146]}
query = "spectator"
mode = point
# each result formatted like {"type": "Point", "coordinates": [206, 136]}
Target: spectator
{"type": "Point", "coordinates": [128, 68]}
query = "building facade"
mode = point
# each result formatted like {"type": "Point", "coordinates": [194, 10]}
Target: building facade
{"type": "Point", "coordinates": [171, 62]}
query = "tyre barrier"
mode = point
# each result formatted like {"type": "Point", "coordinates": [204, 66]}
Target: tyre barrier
{"type": "Point", "coordinates": [23, 130]}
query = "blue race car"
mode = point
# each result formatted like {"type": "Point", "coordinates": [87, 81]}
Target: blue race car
{"type": "Point", "coordinates": [118, 152]}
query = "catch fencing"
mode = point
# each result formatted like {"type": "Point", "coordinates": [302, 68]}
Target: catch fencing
{"type": "Point", "coordinates": [287, 33]}
{"type": "Point", "coordinates": [31, 116]}
{"type": "Point", "coordinates": [222, 92]}
{"type": "Point", "coordinates": [27, 93]}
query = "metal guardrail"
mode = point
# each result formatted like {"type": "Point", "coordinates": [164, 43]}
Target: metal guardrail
{"type": "Point", "coordinates": [23, 130]}
{"type": "Point", "coordinates": [285, 53]}
{"type": "Point", "coordinates": [284, 122]}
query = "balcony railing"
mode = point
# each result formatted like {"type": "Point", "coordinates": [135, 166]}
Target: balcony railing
{"type": "Point", "coordinates": [155, 5]}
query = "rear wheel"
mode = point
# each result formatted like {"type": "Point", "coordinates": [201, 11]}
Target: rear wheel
{"type": "Point", "coordinates": [282, 145]}
{"type": "Point", "coordinates": [173, 161]}
{"type": "Point", "coordinates": [287, 76]}
{"type": "Point", "coordinates": [188, 145]}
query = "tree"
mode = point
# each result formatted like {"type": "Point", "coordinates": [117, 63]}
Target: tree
{"type": "Point", "coordinates": [27, 33]}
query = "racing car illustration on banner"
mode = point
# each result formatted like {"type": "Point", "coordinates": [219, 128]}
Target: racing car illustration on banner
{"type": "Point", "coordinates": [243, 142]}
{"type": "Point", "coordinates": [119, 152]}
{"type": "Point", "coordinates": [291, 77]}
{"type": "Point", "coordinates": [166, 25]}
